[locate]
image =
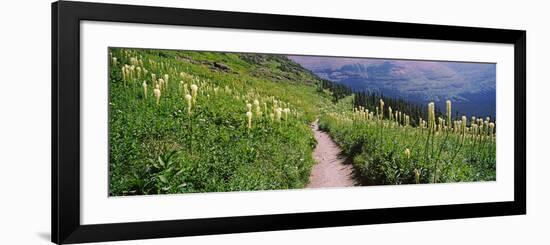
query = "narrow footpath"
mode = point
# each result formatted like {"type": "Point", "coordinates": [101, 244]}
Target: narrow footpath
{"type": "Point", "coordinates": [330, 170]}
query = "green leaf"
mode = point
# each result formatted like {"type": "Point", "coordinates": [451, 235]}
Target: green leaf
{"type": "Point", "coordinates": [163, 179]}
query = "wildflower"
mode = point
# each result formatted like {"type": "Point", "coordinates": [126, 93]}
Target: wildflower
{"type": "Point", "coordinates": [249, 107]}
{"type": "Point", "coordinates": [138, 72]}
{"type": "Point", "coordinates": [144, 89]}
{"type": "Point", "coordinates": [475, 128]}
{"type": "Point", "coordinates": [396, 118]}
{"type": "Point", "coordinates": [166, 77]}
{"type": "Point", "coordinates": [271, 116]}
{"type": "Point", "coordinates": [161, 83]}
{"type": "Point", "coordinates": [134, 61]}
{"type": "Point", "coordinates": [408, 153]}
{"type": "Point", "coordinates": [278, 114]}
{"type": "Point", "coordinates": [381, 109]}
{"type": "Point", "coordinates": [448, 105]}
{"type": "Point", "coordinates": [431, 115]}
{"type": "Point", "coordinates": [185, 89]}
{"type": "Point", "coordinates": [180, 87]}
{"type": "Point", "coordinates": [249, 116]}
{"type": "Point", "coordinates": [131, 70]}
{"type": "Point", "coordinates": [400, 117]}
{"type": "Point", "coordinates": [464, 122]}
{"type": "Point", "coordinates": [275, 105]}
{"type": "Point", "coordinates": [417, 175]}
{"type": "Point", "coordinates": [194, 89]}
{"type": "Point", "coordinates": [257, 106]}
{"type": "Point", "coordinates": [491, 129]}
{"type": "Point", "coordinates": [390, 113]}
{"type": "Point", "coordinates": [156, 91]}
{"type": "Point", "coordinates": [123, 73]}
{"type": "Point", "coordinates": [286, 110]}
{"type": "Point", "coordinates": [114, 60]}
{"type": "Point", "coordinates": [189, 104]}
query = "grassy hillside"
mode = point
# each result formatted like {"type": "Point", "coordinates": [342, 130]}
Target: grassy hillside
{"type": "Point", "coordinates": [205, 144]}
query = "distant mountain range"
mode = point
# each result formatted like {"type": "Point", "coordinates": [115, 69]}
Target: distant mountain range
{"type": "Point", "coordinates": [470, 86]}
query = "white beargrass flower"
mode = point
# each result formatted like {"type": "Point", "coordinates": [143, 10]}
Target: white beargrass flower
{"type": "Point", "coordinates": [144, 84]}
{"type": "Point", "coordinates": [138, 69]}
{"type": "Point", "coordinates": [286, 110]}
{"type": "Point", "coordinates": [161, 83]}
{"type": "Point", "coordinates": [278, 114]}
{"type": "Point", "coordinates": [431, 115]}
{"type": "Point", "coordinates": [396, 117]}
{"type": "Point", "coordinates": [180, 87]}
{"type": "Point", "coordinates": [248, 107]}
{"type": "Point", "coordinates": [156, 92]}
{"type": "Point", "coordinates": [400, 121]}
{"type": "Point", "coordinates": [271, 116]}
{"type": "Point", "coordinates": [185, 89]}
{"type": "Point", "coordinates": [188, 98]}
{"type": "Point", "coordinates": [448, 107]}
{"type": "Point", "coordinates": [194, 90]}
{"type": "Point", "coordinates": [166, 78]}
{"type": "Point", "coordinates": [417, 175]}
{"type": "Point", "coordinates": [249, 117]}
{"type": "Point", "coordinates": [464, 122]}
{"type": "Point", "coordinates": [123, 69]}
{"type": "Point", "coordinates": [408, 153]}
{"type": "Point", "coordinates": [257, 107]}
{"type": "Point", "coordinates": [381, 109]}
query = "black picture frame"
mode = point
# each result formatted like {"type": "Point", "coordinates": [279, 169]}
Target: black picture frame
{"type": "Point", "coordinates": [66, 17]}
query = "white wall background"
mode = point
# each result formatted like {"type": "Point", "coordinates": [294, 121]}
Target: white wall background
{"type": "Point", "coordinates": [25, 121]}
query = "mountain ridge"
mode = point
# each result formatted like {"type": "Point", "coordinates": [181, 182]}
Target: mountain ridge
{"type": "Point", "coordinates": [471, 86]}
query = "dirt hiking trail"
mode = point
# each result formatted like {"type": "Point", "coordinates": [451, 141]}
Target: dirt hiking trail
{"type": "Point", "coordinates": [330, 170]}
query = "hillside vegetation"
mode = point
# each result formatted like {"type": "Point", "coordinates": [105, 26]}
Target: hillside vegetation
{"type": "Point", "coordinates": [184, 121]}
{"type": "Point", "coordinates": [385, 147]}
{"type": "Point", "coordinates": [196, 121]}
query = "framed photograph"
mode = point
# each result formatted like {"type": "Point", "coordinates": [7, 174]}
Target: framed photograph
{"type": "Point", "coordinates": [175, 122]}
